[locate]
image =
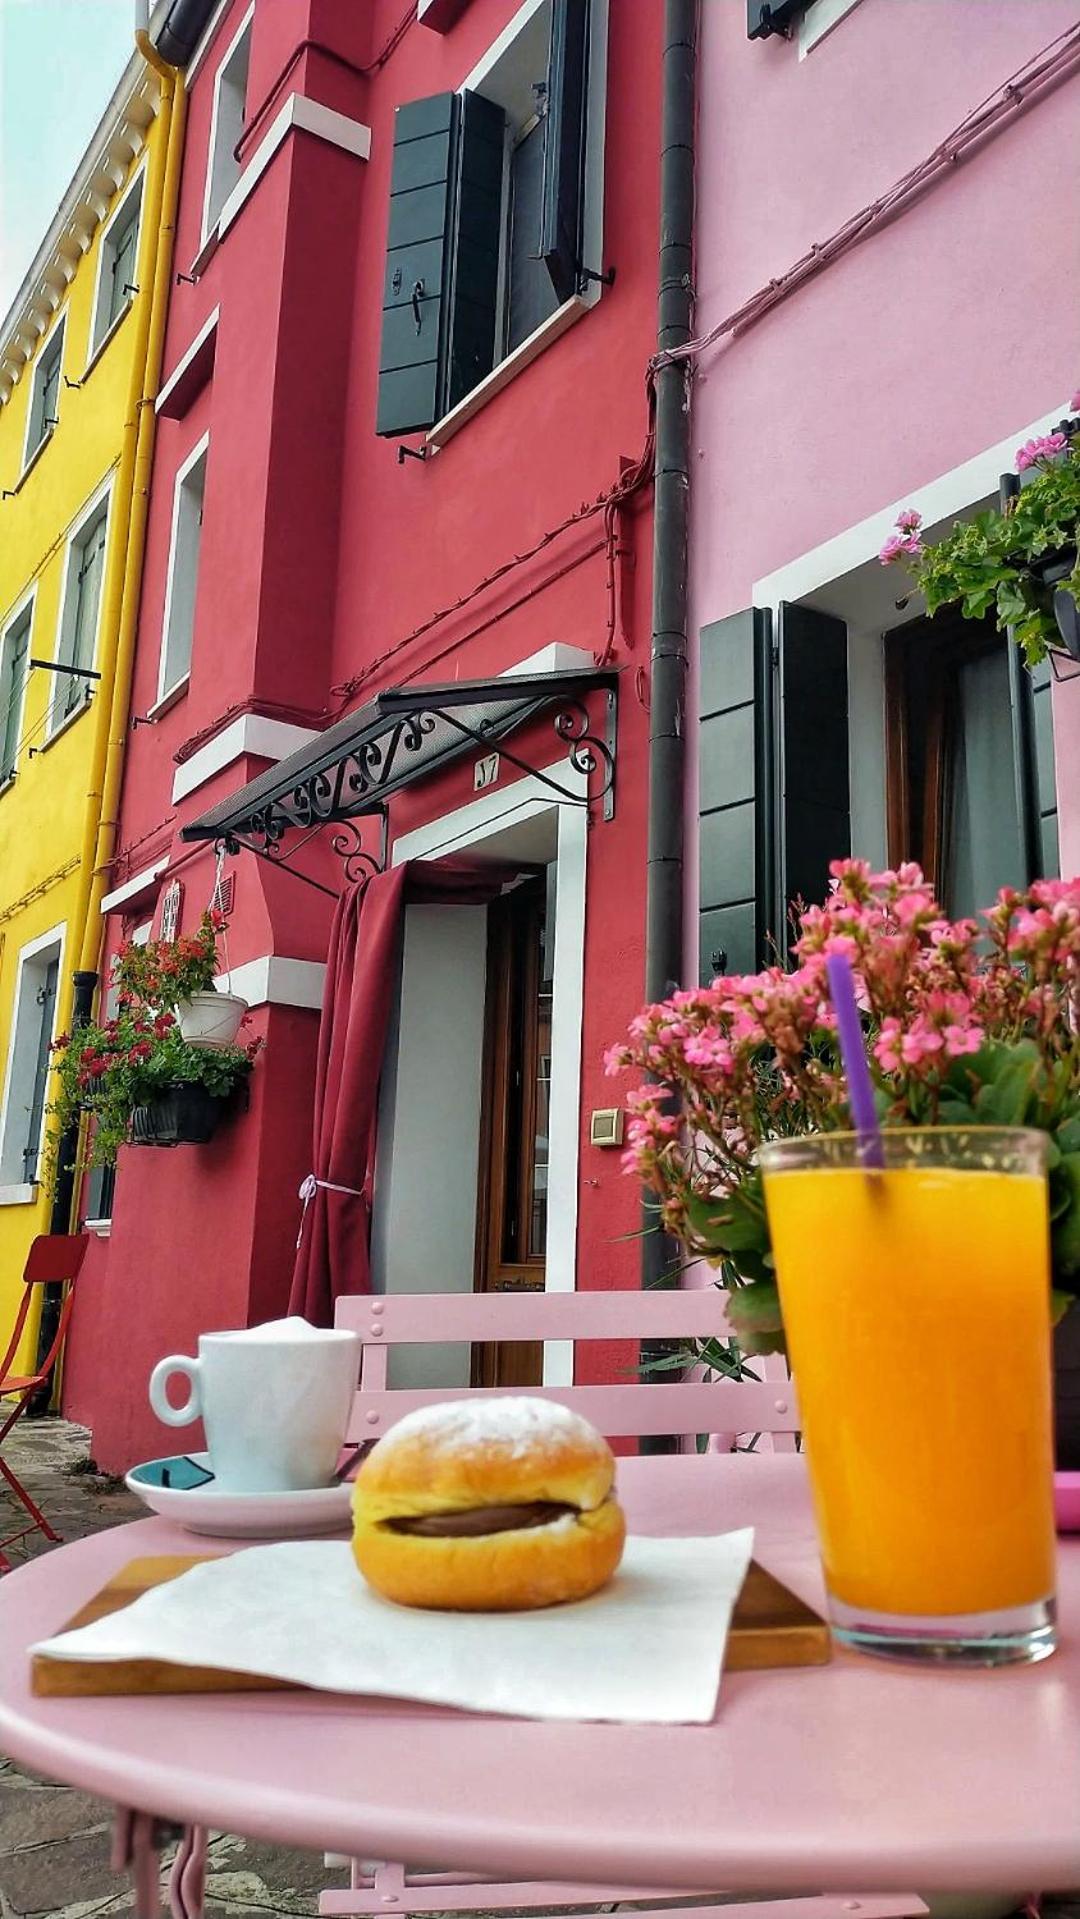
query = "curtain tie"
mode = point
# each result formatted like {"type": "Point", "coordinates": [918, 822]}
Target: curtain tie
{"type": "Point", "coordinates": [308, 1189]}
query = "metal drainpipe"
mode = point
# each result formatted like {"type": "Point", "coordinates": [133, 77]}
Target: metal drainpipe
{"type": "Point", "coordinates": [667, 707]}
{"type": "Point", "coordinates": [67, 1153]}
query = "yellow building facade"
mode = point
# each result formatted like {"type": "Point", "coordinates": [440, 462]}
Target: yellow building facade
{"type": "Point", "coordinates": [80, 356]}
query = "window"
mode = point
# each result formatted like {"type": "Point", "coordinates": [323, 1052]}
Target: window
{"type": "Point", "coordinates": [955, 803]}
{"type": "Point", "coordinates": [79, 618]}
{"type": "Point", "coordinates": [33, 1026]}
{"type": "Point", "coordinates": [227, 124]}
{"type": "Point", "coordinates": [44, 411]}
{"type": "Point", "coordinates": [14, 657]}
{"type": "Point", "coordinates": [116, 286]}
{"type": "Point", "coordinates": [818, 19]}
{"type": "Point", "coordinates": [179, 621]}
{"type": "Point", "coordinates": [495, 212]}
{"type": "Point", "coordinates": [512, 1217]}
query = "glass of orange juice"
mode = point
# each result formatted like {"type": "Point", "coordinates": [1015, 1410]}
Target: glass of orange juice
{"type": "Point", "coordinates": [916, 1303]}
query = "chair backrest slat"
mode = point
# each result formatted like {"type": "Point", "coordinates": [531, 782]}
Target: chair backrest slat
{"type": "Point", "coordinates": [631, 1410]}
{"type": "Point", "coordinates": [53, 1260]}
{"type": "Point", "coordinates": [436, 1318]}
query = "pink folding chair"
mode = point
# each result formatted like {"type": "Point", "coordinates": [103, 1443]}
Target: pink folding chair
{"type": "Point", "coordinates": [629, 1410]}
{"type": "Point", "coordinates": [54, 1259]}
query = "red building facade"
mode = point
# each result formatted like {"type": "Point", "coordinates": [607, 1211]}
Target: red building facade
{"type": "Point", "coordinates": [396, 237]}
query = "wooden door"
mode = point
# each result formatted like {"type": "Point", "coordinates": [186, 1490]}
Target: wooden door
{"type": "Point", "coordinates": [512, 1208]}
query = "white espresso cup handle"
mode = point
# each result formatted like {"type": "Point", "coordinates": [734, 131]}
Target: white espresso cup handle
{"type": "Point", "coordinates": [192, 1407]}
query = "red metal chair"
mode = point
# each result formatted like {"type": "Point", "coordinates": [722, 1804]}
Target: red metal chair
{"type": "Point", "coordinates": [54, 1259]}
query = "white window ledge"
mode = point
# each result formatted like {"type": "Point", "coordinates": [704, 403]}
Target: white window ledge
{"type": "Point", "coordinates": [168, 698]}
{"type": "Point", "coordinates": [34, 458]}
{"type": "Point", "coordinates": [22, 1195]}
{"type": "Point", "coordinates": [68, 721]}
{"type": "Point", "coordinates": [101, 1228]}
{"type": "Point", "coordinates": [108, 336]}
{"type": "Point", "coordinates": [818, 19]}
{"type": "Point", "coordinates": [500, 376]}
{"type": "Point", "coordinates": [132, 889]}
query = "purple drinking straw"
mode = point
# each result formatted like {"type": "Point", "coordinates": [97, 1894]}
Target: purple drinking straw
{"type": "Point", "coordinates": [853, 1058]}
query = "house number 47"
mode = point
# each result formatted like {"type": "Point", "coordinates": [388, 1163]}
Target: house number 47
{"type": "Point", "coordinates": [485, 772]}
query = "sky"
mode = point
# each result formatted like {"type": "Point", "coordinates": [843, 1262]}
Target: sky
{"type": "Point", "coordinates": [59, 63]}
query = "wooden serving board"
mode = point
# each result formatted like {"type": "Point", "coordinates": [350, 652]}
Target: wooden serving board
{"type": "Point", "coordinates": [770, 1627]}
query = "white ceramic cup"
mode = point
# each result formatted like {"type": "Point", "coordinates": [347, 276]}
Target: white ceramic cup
{"type": "Point", "coordinates": [274, 1401]}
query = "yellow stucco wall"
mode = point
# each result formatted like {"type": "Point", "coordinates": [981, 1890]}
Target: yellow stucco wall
{"type": "Point", "coordinates": [43, 809]}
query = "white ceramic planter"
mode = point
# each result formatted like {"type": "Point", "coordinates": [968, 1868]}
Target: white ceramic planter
{"type": "Point", "coordinates": [211, 1019]}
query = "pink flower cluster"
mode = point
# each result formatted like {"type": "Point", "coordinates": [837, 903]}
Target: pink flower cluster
{"type": "Point", "coordinates": [1043, 447]}
{"type": "Point", "coordinates": [906, 542]}
{"type": "Point", "coordinates": [754, 1057]}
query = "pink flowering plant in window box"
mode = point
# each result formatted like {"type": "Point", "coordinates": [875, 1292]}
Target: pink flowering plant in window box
{"type": "Point", "coordinates": [967, 1024]}
{"type": "Point", "coordinates": [1019, 563]}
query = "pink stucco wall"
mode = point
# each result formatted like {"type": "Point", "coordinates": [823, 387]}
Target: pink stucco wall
{"type": "Point", "coordinates": [930, 341]}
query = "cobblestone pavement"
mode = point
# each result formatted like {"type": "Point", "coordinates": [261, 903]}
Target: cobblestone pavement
{"type": "Point", "coordinates": [54, 1842]}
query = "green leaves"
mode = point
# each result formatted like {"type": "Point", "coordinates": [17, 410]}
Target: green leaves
{"type": "Point", "coordinates": [730, 1223]}
{"type": "Point", "coordinates": [756, 1320]}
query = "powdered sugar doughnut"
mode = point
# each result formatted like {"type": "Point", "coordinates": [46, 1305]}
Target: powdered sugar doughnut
{"type": "Point", "coordinates": [488, 1505]}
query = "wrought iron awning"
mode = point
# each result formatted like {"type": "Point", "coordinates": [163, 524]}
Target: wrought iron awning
{"type": "Point", "coordinates": [406, 733]}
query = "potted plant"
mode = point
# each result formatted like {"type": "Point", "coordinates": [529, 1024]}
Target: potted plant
{"type": "Point", "coordinates": [1019, 562]}
{"type": "Point", "coordinates": [179, 974]}
{"type": "Point", "coordinates": [966, 1025]}
{"type": "Point", "coordinates": [141, 1082]}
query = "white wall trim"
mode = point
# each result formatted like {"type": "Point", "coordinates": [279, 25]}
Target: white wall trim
{"type": "Point", "coordinates": [132, 888]}
{"type": "Point", "coordinates": [55, 938]}
{"type": "Point", "coordinates": [469, 826]}
{"type": "Point", "coordinates": [253, 735]}
{"type": "Point", "coordinates": [819, 19]}
{"type": "Point", "coordinates": [308, 116]}
{"type": "Point", "coordinates": [559, 657]}
{"type": "Point", "coordinates": [951, 493]}
{"type": "Point", "coordinates": [272, 980]}
{"type": "Point", "coordinates": [94, 347]}
{"type": "Point", "coordinates": [198, 452]}
{"type": "Point", "coordinates": [537, 342]}
{"type": "Point", "coordinates": [186, 359]}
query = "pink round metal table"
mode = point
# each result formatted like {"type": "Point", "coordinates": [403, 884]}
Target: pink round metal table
{"type": "Point", "coordinates": [859, 1775]}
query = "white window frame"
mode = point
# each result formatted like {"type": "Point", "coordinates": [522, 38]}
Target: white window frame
{"type": "Point", "coordinates": [19, 1072]}
{"type": "Point", "coordinates": [819, 19]}
{"type": "Point", "coordinates": [24, 606]}
{"type": "Point", "coordinates": [102, 328]}
{"type": "Point", "coordinates": [173, 610]}
{"type": "Point", "coordinates": [54, 341]}
{"type": "Point", "coordinates": [592, 235]}
{"type": "Point", "coordinates": [212, 213]}
{"type": "Point", "coordinates": [99, 505]}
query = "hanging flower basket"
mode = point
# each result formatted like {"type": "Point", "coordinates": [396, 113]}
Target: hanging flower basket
{"type": "Point", "coordinates": [211, 1019]}
{"type": "Point", "coordinates": [181, 1116]}
{"type": "Point", "coordinates": [1018, 562]}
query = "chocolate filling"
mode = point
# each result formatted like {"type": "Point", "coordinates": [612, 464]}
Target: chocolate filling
{"type": "Point", "coordinates": [481, 1520]}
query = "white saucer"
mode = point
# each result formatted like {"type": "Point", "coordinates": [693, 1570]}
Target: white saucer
{"type": "Point", "coordinates": [223, 1515]}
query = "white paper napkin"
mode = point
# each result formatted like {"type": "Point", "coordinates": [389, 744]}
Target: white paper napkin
{"type": "Point", "coordinates": [648, 1648]}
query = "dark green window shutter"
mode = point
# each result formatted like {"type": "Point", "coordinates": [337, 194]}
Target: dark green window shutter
{"type": "Point", "coordinates": [773, 780]}
{"type": "Point", "coordinates": [1030, 696]}
{"type": "Point", "coordinates": [737, 835]}
{"type": "Point", "coordinates": [564, 145]}
{"type": "Point", "coordinates": [815, 804]}
{"type": "Point", "coordinates": [441, 286]}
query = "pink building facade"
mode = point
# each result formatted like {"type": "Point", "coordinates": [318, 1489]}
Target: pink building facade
{"type": "Point", "coordinates": [904, 368]}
